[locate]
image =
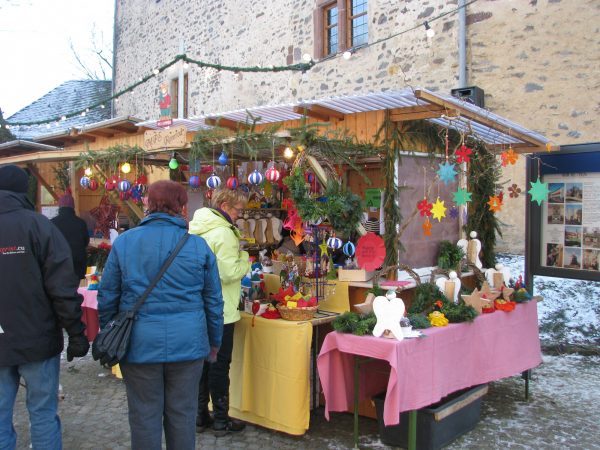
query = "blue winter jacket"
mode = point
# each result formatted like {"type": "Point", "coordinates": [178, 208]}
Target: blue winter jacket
{"type": "Point", "coordinates": [182, 316]}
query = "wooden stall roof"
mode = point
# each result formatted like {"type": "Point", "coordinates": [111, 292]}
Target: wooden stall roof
{"type": "Point", "coordinates": [19, 146]}
{"type": "Point", "coordinates": [404, 105]}
{"type": "Point", "coordinates": [88, 133]}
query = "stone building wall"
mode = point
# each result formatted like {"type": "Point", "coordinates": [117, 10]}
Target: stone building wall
{"type": "Point", "coordinates": [536, 60]}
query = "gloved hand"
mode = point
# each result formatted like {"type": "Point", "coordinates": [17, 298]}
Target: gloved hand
{"type": "Point", "coordinates": [78, 346]}
{"type": "Point", "coordinates": [212, 357]}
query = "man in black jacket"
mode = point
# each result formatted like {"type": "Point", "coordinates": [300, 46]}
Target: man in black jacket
{"type": "Point", "coordinates": [39, 298]}
{"type": "Point", "coordinates": [75, 232]}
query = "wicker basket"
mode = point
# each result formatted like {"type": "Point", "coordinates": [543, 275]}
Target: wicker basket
{"type": "Point", "coordinates": [305, 313]}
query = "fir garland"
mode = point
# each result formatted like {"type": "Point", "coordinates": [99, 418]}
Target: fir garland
{"type": "Point", "coordinates": [484, 174]}
{"type": "Point", "coordinates": [109, 159]}
{"type": "Point", "coordinates": [449, 256]}
{"type": "Point", "coordinates": [351, 322]}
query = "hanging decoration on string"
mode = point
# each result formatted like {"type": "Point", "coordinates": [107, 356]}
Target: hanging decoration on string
{"type": "Point", "coordinates": [454, 213]}
{"type": "Point", "coordinates": [427, 227]}
{"type": "Point", "coordinates": [539, 191]}
{"type": "Point", "coordinates": [495, 203]}
{"type": "Point", "coordinates": [438, 210]}
{"type": "Point", "coordinates": [461, 196]}
{"type": "Point", "coordinates": [514, 190]}
{"type": "Point", "coordinates": [223, 159]}
{"type": "Point", "coordinates": [463, 154]}
{"type": "Point", "coordinates": [509, 157]}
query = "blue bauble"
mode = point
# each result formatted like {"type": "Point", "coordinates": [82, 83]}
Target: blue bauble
{"type": "Point", "coordinates": [223, 159]}
{"type": "Point", "coordinates": [194, 181]}
{"type": "Point", "coordinates": [255, 177]}
{"type": "Point", "coordinates": [85, 182]}
{"type": "Point", "coordinates": [349, 249]}
{"type": "Point", "coordinates": [334, 243]}
{"type": "Point", "coordinates": [124, 186]}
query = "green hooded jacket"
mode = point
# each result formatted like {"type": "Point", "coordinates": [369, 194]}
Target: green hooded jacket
{"type": "Point", "coordinates": [224, 240]}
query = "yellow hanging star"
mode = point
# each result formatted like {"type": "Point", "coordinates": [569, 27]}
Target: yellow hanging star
{"type": "Point", "coordinates": [438, 210]}
{"type": "Point", "coordinates": [323, 247]}
{"type": "Point", "coordinates": [495, 203]}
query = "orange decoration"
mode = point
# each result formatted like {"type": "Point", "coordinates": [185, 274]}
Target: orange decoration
{"type": "Point", "coordinates": [427, 227]}
{"type": "Point", "coordinates": [505, 306]}
{"type": "Point", "coordinates": [509, 157]}
{"type": "Point", "coordinates": [495, 203]}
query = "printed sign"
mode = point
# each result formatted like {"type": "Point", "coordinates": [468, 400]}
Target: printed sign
{"type": "Point", "coordinates": [373, 198]}
{"type": "Point", "coordinates": [172, 138]}
{"type": "Point", "coordinates": [164, 103]}
{"type": "Point", "coordinates": [571, 222]}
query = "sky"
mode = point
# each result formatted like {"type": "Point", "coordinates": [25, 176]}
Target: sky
{"type": "Point", "coordinates": [35, 53]}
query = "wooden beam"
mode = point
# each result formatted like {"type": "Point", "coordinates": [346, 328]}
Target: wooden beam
{"type": "Point", "coordinates": [327, 111]}
{"type": "Point", "coordinates": [401, 116]}
{"type": "Point", "coordinates": [226, 123]}
{"type": "Point", "coordinates": [103, 133]}
{"type": "Point", "coordinates": [476, 117]}
{"type": "Point", "coordinates": [523, 148]}
{"type": "Point", "coordinates": [309, 113]}
{"type": "Point", "coordinates": [33, 169]}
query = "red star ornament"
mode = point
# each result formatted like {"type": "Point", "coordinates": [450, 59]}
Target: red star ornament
{"type": "Point", "coordinates": [495, 203]}
{"type": "Point", "coordinates": [424, 207]}
{"type": "Point", "coordinates": [463, 154]}
{"type": "Point", "coordinates": [427, 227]}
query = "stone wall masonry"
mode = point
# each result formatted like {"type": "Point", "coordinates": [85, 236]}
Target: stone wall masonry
{"type": "Point", "coordinates": [537, 61]}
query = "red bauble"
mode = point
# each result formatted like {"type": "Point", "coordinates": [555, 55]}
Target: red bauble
{"type": "Point", "coordinates": [142, 179]}
{"type": "Point", "coordinates": [272, 174]}
{"type": "Point", "coordinates": [232, 183]}
{"type": "Point", "coordinates": [93, 185]}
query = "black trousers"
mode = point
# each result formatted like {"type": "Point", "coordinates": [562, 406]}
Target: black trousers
{"type": "Point", "coordinates": [214, 384]}
{"type": "Point", "coordinates": [158, 396]}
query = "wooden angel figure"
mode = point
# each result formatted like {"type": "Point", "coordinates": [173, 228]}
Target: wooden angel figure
{"type": "Point", "coordinates": [498, 277]}
{"type": "Point", "coordinates": [388, 311]}
{"type": "Point", "coordinates": [471, 248]}
{"type": "Point", "coordinates": [450, 286]}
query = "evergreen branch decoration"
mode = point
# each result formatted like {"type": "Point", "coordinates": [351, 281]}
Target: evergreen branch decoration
{"type": "Point", "coordinates": [61, 173]}
{"type": "Point", "coordinates": [449, 256]}
{"type": "Point", "coordinates": [484, 174]}
{"type": "Point", "coordinates": [351, 322]}
{"type": "Point", "coordinates": [110, 158]}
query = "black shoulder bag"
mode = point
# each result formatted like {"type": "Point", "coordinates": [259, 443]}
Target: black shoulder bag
{"type": "Point", "coordinates": [112, 341]}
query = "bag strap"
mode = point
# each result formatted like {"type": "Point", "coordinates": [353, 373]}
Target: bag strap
{"type": "Point", "coordinates": [161, 272]}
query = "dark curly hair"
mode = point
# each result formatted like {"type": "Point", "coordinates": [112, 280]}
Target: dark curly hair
{"type": "Point", "coordinates": [167, 197]}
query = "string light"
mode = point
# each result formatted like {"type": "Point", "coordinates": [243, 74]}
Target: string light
{"type": "Point", "coordinates": [430, 32]}
{"type": "Point", "coordinates": [306, 57]}
{"type": "Point", "coordinates": [300, 67]}
{"type": "Point", "coordinates": [288, 153]}
{"type": "Point", "coordinates": [126, 167]}
{"type": "Point", "coordinates": [87, 172]}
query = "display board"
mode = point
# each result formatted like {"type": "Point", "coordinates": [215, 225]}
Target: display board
{"type": "Point", "coordinates": [564, 232]}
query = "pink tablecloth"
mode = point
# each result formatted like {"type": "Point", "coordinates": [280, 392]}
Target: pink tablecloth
{"type": "Point", "coordinates": [89, 309]}
{"type": "Point", "coordinates": [423, 370]}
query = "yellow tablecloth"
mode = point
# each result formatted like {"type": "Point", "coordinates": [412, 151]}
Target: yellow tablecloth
{"type": "Point", "coordinates": [270, 367]}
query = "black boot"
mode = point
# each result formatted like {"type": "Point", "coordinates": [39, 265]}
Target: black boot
{"type": "Point", "coordinates": [203, 418]}
{"type": "Point", "coordinates": [223, 424]}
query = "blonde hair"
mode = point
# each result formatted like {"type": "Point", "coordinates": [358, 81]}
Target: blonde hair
{"type": "Point", "coordinates": [228, 196]}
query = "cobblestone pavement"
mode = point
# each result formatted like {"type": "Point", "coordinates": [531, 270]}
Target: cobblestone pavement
{"type": "Point", "coordinates": [562, 413]}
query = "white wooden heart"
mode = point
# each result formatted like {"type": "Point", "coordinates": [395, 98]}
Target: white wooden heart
{"type": "Point", "coordinates": [388, 314]}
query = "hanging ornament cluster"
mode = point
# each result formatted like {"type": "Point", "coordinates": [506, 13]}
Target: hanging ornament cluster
{"type": "Point", "coordinates": [88, 183]}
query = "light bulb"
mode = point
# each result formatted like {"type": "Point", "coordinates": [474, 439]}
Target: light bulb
{"type": "Point", "coordinates": [430, 32]}
{"type": "Point", "coordinates": [288, 153]}
{"type": "Point", "coordinates": [155, 71]}
{"type": "Point", "coordinates": [102, 106]}
{"type": "Point", "coordinates": [87, 171]}
{"type": "Point", "coordinates": [173, 164]}
{"type": "Point", "coordinates": [347, 55]}
{"type": "Point", "coordinates": [186, 65]}
{"type": "Point", "coordinates": [306, 57]}
{"type": "Point", "coordinates": [126, 168]}
{"type": "Point", "coordinates": [83, 114]}
{"type": "Point", "coordinates": [63, 118]}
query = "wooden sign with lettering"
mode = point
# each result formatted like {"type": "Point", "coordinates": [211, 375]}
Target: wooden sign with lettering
{"type": "Point", "coordinates": [172, 138]}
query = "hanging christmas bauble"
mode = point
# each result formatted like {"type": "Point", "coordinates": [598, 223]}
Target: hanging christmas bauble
{"type": "Point", "coordinates": [93, 185]}
{"type": "Point", "coordinates": [334, 243]}
{"type": "Point", "coordinates": [142, 179]}
{"type": "Point", "coordinates": [124, 195]}
{"type": "Point", "coordinates": [272, 174]}
{"type": "Point", "coordinates": [255, 177]}
{"type": "Point", "coordinates": [194, 181]}
{"type": "Point", "coordinates": [349, 249]}
{"type": "Point", "coordinates": [125, 168]}
{"type": "Point", "coordinates": [232, 183]}
{"type": "Point", "coordinates": [213, 181]}
{"type": "Point", "coordinates": [136, 192]}
{"type": "Point", "coordinates": [309, 177]}
{"type": "Point", "coordinates": [173, 164]}
{"type": "Point", "coordinates": [124, 185]}
{"type": "Point", "coordinates": [85, 182]}
{"type": "Point", "coordinates": [223, 159]}
{"type": "Point", "coordinates": [208, 194]}
{"type": "Point", "coordinates": [109, 185]}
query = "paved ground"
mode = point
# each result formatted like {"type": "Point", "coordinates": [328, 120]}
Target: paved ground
{"type": "Point", "coordinates": [562, 414]}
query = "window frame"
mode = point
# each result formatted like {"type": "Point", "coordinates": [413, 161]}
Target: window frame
{"type": "Point", "coordinates": [344, 23]}
{"type": "Point", "coordinates": [174, 87]}
{"type": "Point", "coordinates": [349, 26]}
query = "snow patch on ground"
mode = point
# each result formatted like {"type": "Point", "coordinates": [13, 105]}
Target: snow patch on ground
{"type": "Point", "coordinates": [570, 311]}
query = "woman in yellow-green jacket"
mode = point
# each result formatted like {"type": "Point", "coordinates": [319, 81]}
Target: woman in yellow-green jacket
{"type": "Point", "coordinates": [217, 226]}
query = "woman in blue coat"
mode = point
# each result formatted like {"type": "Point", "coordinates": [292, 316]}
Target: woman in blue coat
{"type": "Point", "coordinates": [179, 325]}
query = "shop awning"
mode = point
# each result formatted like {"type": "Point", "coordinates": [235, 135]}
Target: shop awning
{"type": "Point", "coordinates": [407, 104]}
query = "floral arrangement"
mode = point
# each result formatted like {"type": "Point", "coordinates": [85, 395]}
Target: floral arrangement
{"type": "Point", "coordinates": [97, 256]}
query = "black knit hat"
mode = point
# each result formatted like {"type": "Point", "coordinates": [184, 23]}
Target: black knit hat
{"type": "Point", "coordinates": [13, 178]}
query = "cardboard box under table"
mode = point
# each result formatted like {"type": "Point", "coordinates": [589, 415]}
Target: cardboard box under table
{"type": "Point", "coordinates": [422, 371]}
